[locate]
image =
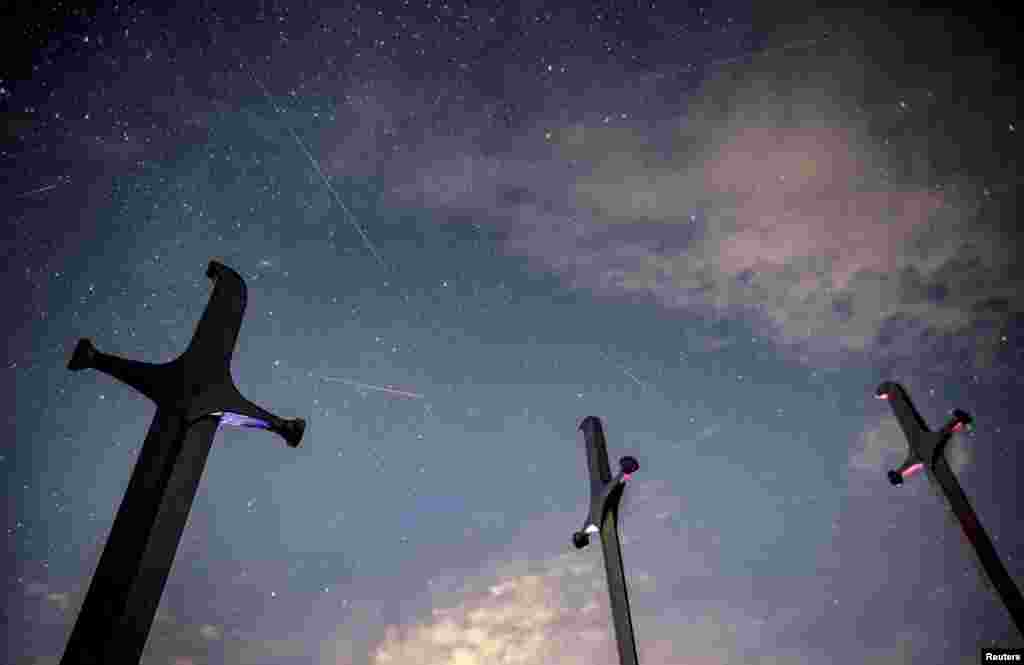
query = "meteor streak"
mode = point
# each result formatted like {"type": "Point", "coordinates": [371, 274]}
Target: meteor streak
{"type": "Point", "coordinates": [630, 375]}
{"type": "Point", "coordinates": [46, 188]}
{"type": "Point", "coordinates": [369, 386]}
{"type": "Point", "coordinates": [316, 164]}
{"type": "Point", "coordinates": [624, 370]}
{"type": "Point", "coordinates": [38, 191]}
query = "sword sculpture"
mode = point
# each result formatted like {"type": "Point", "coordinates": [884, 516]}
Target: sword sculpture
{"type": "Point", "coordinates": [926, 448]}
{"type": "Point", "coordinates": [194, 394]}
{"type": "Point", "coordinates": [605, 494]}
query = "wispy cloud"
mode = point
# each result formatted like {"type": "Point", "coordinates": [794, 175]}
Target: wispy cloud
{"type": "Point", "coordinates": [60, 599]}
{"type": "Point", "coordinates": [554, 608]}
{"type": "Point", "coordinates": [557, 611]}
{"type": "Point", "coordinates": [778, 197]}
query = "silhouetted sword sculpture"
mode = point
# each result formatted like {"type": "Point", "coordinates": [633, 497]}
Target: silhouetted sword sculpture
{"type": "Point", "coordinates": [926, 453]}
{"type": "Point", "coordinates": [605, 494]}
{"type": "Point", "coordinates": [194, 394]}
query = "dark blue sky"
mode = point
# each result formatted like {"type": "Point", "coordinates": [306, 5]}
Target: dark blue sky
{"type": "Point", "coordinates": [465, 229]}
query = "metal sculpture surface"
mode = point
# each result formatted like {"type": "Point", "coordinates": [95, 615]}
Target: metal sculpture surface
{"type": "Point", "coordinates": [194, 394]}
{"type": "Point", "coordinates": [605, 495]}
{"type": "Point", "coordinates": [926, 453]}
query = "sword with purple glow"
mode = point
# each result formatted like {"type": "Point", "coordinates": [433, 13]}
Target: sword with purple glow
{"type": "Point", "coordinates": [194, 395]}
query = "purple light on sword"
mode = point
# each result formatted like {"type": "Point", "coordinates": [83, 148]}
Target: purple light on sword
{"type": "Point", "coordinates": [238, 420]}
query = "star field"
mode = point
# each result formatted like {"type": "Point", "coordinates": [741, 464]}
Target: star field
{"type": "Point", "coordinates": [464, 227]}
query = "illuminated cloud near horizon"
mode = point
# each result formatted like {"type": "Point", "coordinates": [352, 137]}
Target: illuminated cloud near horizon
{"type": "Point", "coordinates": [531, 613]}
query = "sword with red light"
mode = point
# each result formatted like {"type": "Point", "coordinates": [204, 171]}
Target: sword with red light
{"type": "Point", "coordinates": [926, 453]}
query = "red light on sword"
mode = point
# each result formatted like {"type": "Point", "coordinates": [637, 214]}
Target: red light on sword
{"type": "Point", "coordinates": [912, 470]}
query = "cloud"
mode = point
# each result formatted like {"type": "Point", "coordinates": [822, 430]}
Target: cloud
{"type": "Point", "coordinates": [558, 612]}
{"type": "Point", "coordinates": [511, 615]}
{"type": "Point", "coordinates": [253, 649]}
{"type": "Point", "coordinates": [518, 612]}
{"type": "Point", "coordinates": [798, 220]}
{"type": "Point", "coordinates": [211, 632]}
{"type": "Point", "coordinates": [60, 599]}
{"type": "Point", "coordinates": [794, 188]}
{"type": "Point", "coordinates": [535, 610]}
{"type": "Point", "coordinates": [521, 608]}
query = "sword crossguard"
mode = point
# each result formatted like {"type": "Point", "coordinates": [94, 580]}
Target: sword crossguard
{"type": "Point", "coordinates": [198, 382]}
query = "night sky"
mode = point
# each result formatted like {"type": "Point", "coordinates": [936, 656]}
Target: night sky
{"type": "Point", "coordinates": [465, 228]}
